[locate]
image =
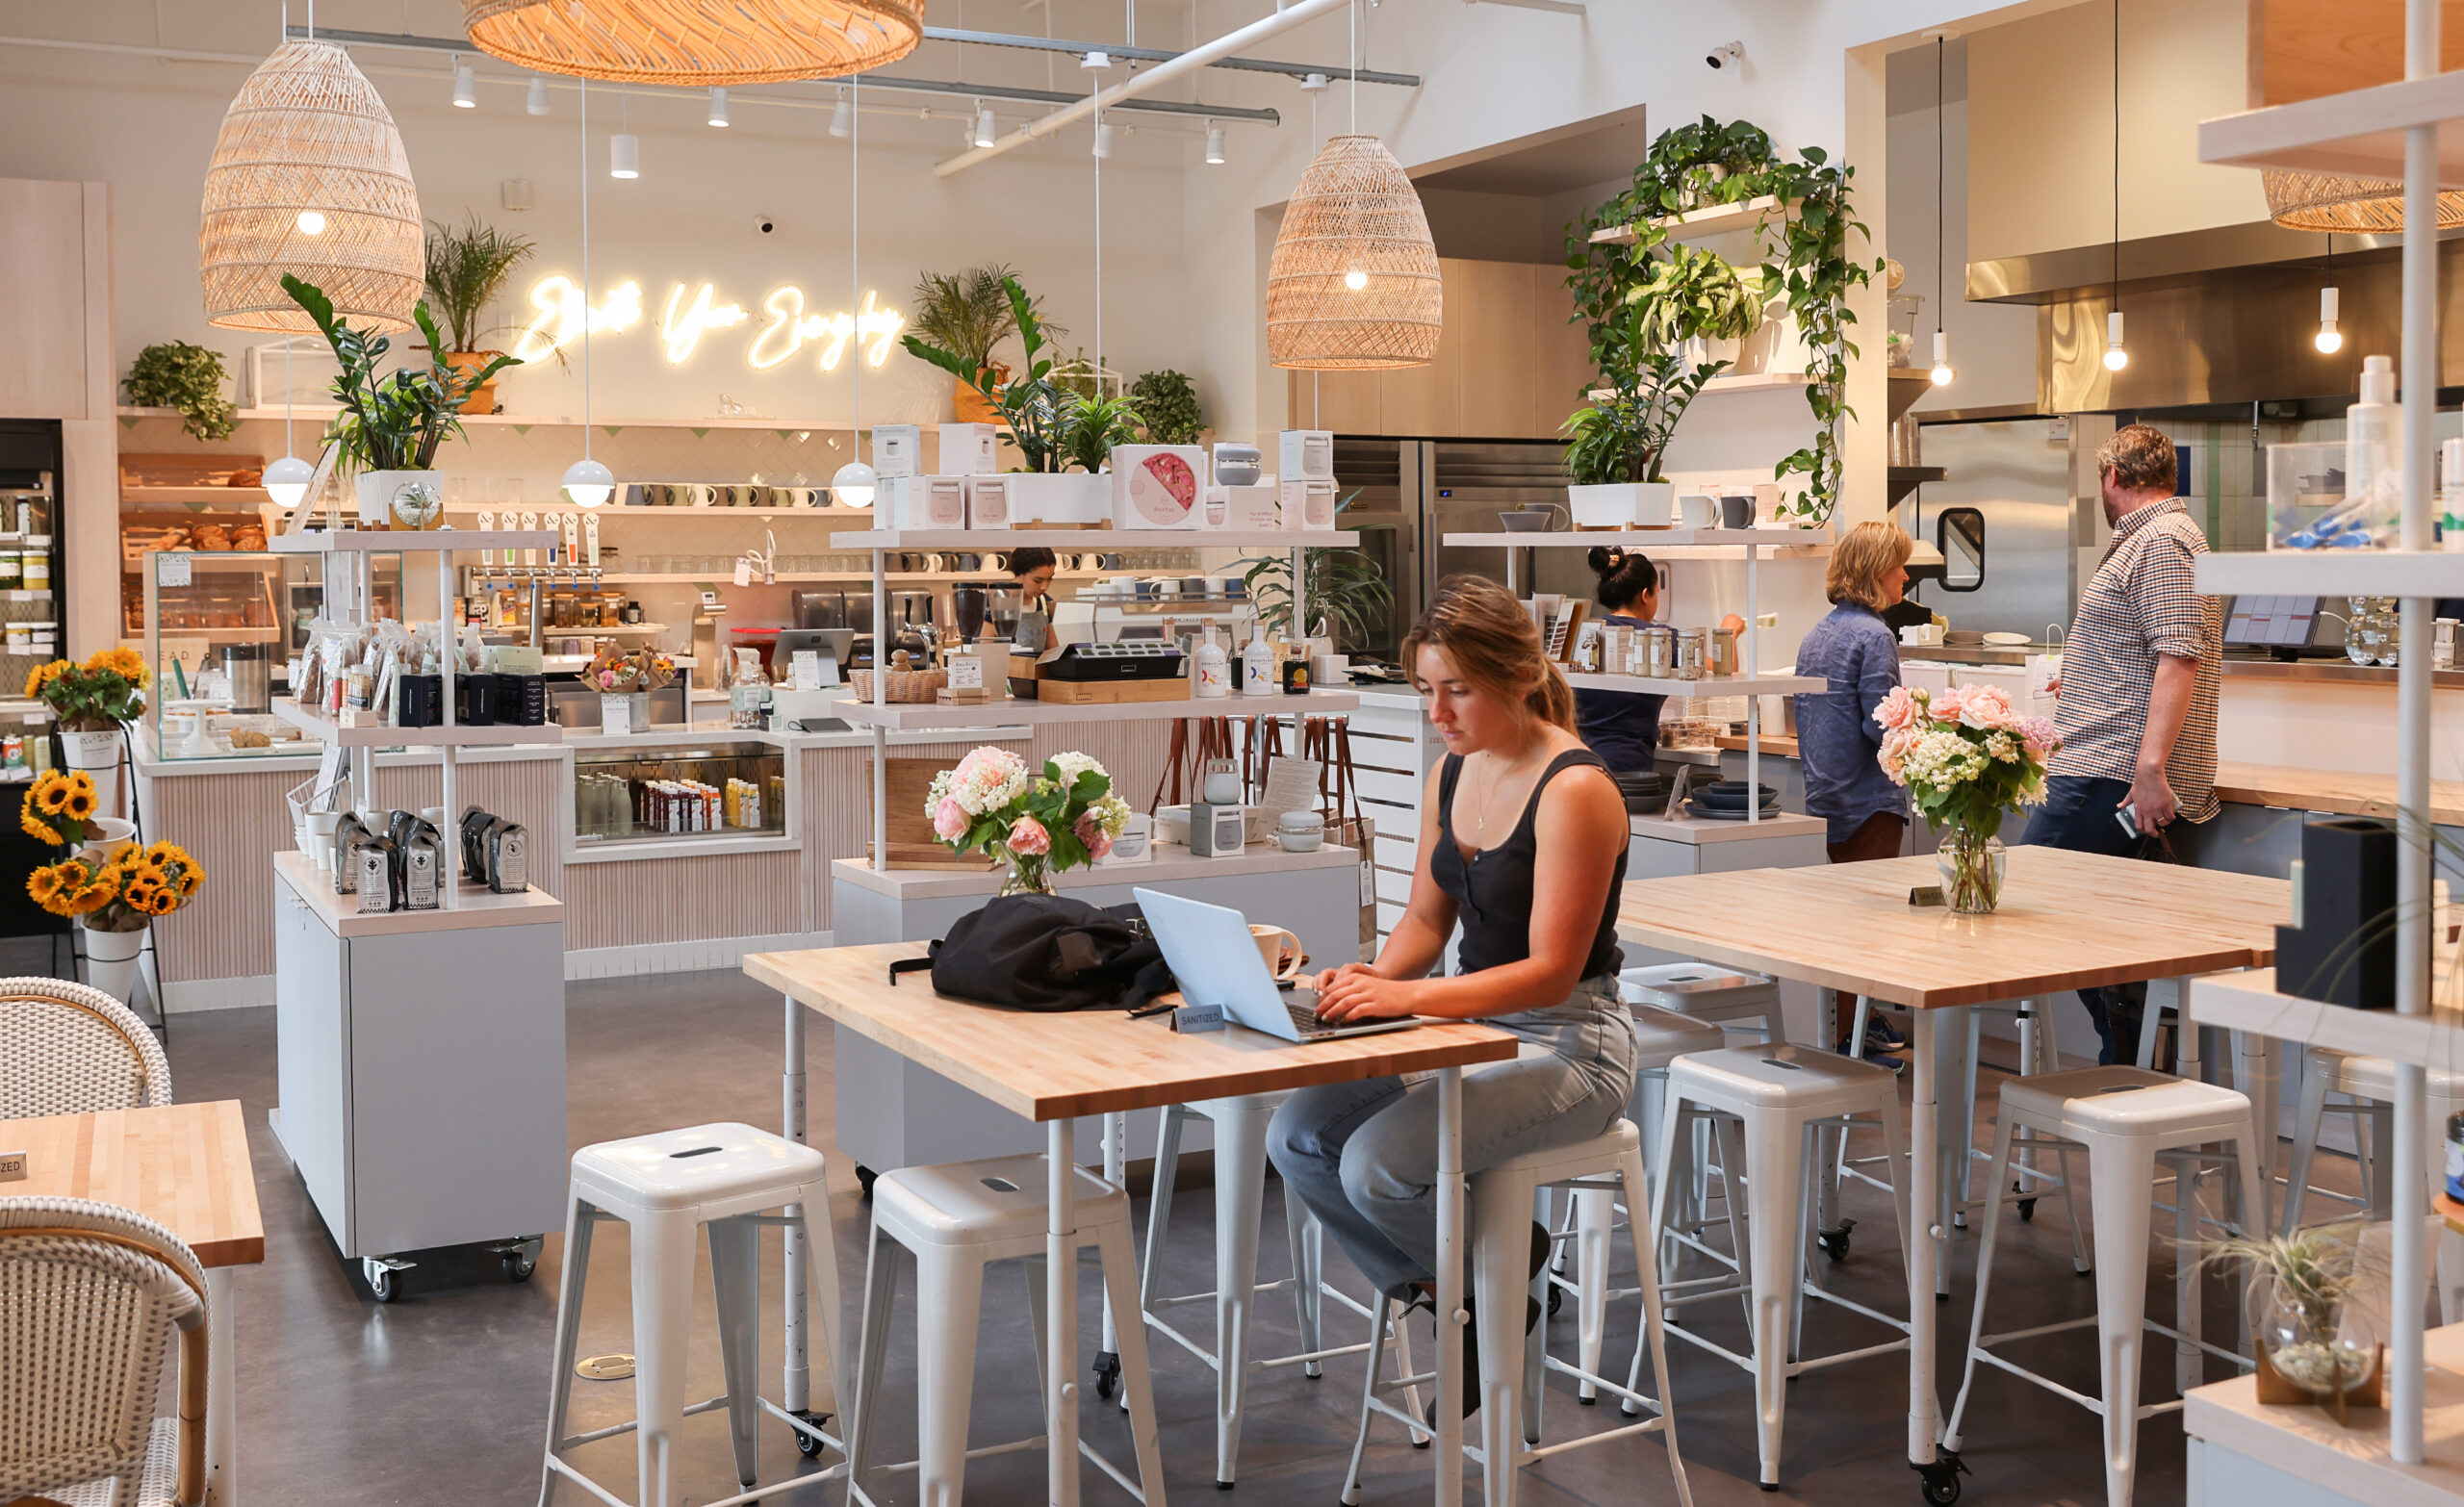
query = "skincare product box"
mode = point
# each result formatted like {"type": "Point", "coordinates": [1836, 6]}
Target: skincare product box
{"type": "Point", "coordinates": [1157, 486]}
{"type": "Point", "coordinates": [1306, 454]}
{"type": "Point", "coordinates": [987, 498]}
{"type": "Point", "coordinates": [1308, 504]}
{"type": "Point", "coordinates": [924, 502]}
{"type": "Point", "coordinates": [969, 449]}
{"type": "Point", "coordinates": [1135, 844]}
{"type": "Point", "coordinates": [1245, 507]}
{"type": "Point", "coordinates": [898, 449]}
{"type": "Point", "coordinates": [1216, 832]}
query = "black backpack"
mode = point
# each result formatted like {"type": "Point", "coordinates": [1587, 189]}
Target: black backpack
{"type": "Point", "coordinates": [1046, 952]}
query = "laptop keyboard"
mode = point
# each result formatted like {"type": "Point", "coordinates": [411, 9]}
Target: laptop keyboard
{"type": "Point", "coordinates": [1305, 1017]}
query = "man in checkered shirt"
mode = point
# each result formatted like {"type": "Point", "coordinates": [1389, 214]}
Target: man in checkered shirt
{"type": "Point", "coordinates": [2138, 676]}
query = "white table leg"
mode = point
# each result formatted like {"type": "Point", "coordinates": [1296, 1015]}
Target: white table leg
{"type": "Point", "coordinates": [1060, 1308]}
{"type": "Point", "coordinates": [221, 1390]}
{"type": "Point", "coordinates": [1925, 1253]}
{"type": "Point", "coordinates": [1447, 1454]}
{"type": "Point", "coordinates": [2256, 1071]}
{"type": "Point", "coordinates": [796, 1395]}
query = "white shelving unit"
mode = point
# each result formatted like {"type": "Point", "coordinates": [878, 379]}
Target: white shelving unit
{"type": "Point", "coordinates": [1074, 537]}
{"type": "Point", "coordinates": [908, 716]}
{"type": "Point", "coordinates": [2390, 132]}
{"type": "Point", "coordinates": [1699, 224]}
{"type": "Point", "coordinates": [1752, 544]}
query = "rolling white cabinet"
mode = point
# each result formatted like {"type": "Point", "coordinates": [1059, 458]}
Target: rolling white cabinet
{"type": "Point", "coordinates": [421, 1072]}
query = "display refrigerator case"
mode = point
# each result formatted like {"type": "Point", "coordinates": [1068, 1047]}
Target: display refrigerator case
{"type": "Point", "coordinates": [219, 630]}
{"type": "Point", "coordinates": [33, 581]}
{"type": "Point", "coordinates": [639, 799]}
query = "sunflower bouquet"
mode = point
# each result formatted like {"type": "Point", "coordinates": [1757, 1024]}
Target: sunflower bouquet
{"type": "Point", "coordinates": [96, 696]}
{"type": "Point", "coordinates": [60, 808]}
{"type": "Point", "coordinates": [121, 892]}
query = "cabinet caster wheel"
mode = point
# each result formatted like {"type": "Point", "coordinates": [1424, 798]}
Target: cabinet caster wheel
{"type": "Point", "coordinates": [1941, 1478]}
{"type": "Point", "coordinates": [1834, 1243]}
{"type": "Point", "coordinates": [517, 1267]}
{"type": "Point", "coordinates": [810, 1445]}
{"type": "Point", "coordinates": [1556, 1299]}
{"type": "Point", "coordinates": [1107, 1373]}
{"type": "Point", "coordinates": [2027, 1211]}
{"type": "Point", "coordinates": [865, 1179]}
{"type": "Point", "coordinates": [383, 1282]}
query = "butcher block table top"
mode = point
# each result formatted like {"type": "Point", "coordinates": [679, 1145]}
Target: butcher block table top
{"type": "Point", "coordinates": [2067, 921]}
{"type": "Point", "coordinates": [1060, 1066]}
{"type": "Point", "coordinates": [185, 1166]}
{"type": "Point", "coordinates": [2331, 790]}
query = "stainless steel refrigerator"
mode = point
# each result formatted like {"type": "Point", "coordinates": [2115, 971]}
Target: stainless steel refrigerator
{"type": "Point", "coordinates": [1413, 492]}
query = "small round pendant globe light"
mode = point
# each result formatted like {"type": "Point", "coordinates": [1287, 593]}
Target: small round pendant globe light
{"type": "Point", "coordinates": [466, 88]}
{"type": "Point", "coordinates": [537, 103]}
{"type": "Point", "coordinates": [587, 483]}
{"type": "Point", "coordinates": [624, 156]}
{"type": "Point", "coordinates": [2116, 356]}
{"type": "Point", "coordinates": [718, 107]}
{"type": "Point", "coordinates": [1942, 374]}
{"type": "Point", "coordinates": [2331, 338]}
{"type": "Point", "coordinates": [287, 480]}
{"type": "Point", "coordinates": [853, 485]}
{"type": "Point", "coordinates": [1215, 157]}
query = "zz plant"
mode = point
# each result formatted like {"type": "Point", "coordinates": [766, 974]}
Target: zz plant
{"type": "Point", "coordinates": [1035, 408]}
{"type": "Point", "coordinates": [394, 422]}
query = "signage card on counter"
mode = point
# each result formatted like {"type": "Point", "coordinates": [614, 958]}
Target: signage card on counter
{"type": "Point", "coordinates": [804, 671]}
{"type": "Point", "coordinates": [172, 568]}
{"type": "Point", "coordinates": [615, 715]}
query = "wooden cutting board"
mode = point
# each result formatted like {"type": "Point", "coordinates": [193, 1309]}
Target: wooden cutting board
{"type": "Point", "coordinates": [1105, 693]}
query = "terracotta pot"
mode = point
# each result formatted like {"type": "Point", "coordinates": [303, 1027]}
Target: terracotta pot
{"type": "Point", "coordinates": [972, 406]}
{"type": "Point", "coordinates": [484, 397]}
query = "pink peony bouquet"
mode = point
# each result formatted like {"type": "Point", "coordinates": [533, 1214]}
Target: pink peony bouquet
{"type": "Point", "coordinates": [1965, 756]}
{"type": "Point", "coordinates": [1064, 817]}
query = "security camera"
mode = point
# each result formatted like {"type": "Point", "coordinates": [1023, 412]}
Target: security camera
{"type": "Point", "coordinates": [764, 223]}
{"type": "Point", "coordinates": [1727, 55]}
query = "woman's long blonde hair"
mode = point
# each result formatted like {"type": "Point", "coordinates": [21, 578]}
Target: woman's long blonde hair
{"type": "Point", "coordinates": [1490, 637]}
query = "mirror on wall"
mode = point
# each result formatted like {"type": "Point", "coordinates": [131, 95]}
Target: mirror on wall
{"type": "Point", "coordinates": [1959, 534]}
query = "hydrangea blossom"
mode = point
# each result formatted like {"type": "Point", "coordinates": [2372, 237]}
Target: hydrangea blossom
{"type": "Point", "coordinates": [1965, 756]}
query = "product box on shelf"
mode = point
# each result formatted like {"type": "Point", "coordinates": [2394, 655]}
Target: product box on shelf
{"type": "Point", "coordinates": [898, 449]}
{"type": "Point", "coordinates": [969, 449]}
{"type": "Point", "coordinates": [1157, 486]}
{"type": "Point", "coordinates": [924, 502]}
{"type": "Point", "coordinates": [1060, 498]}
{"type": "Point", "coordinates": [1244, 507]}
{"type": "Point", "coordinates": [1308, 504]}
{"type": "Point", "coordinates": [987, 498]}
{"type": "Point", "coordinates": [1308, 454]}
{"type": "Point", "coordinates": [1136, 843]}
{"type": "Point", "coordinates": [1216, 832]}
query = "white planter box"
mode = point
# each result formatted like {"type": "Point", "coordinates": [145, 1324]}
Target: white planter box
{"type": "Point", "coordinates": [1621, 504]}
{"type": "Point", "coordinates": [378, 490]}
{"type": "Point", "coordinates": [1063, 497]}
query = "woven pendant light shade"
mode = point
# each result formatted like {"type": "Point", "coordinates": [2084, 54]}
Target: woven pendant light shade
{"type": "Point", "coordinates": [308, 133]}
{"type": "Point", "coordinates": [696, 42]}
{"type": "Point", "coordinates": [2352, 206]}
{"type": "Point", "coordinates": [1354, 216]}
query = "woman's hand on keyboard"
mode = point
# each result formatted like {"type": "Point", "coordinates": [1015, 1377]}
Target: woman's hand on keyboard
{"type": "Point", "coordinates": [1354, 992]}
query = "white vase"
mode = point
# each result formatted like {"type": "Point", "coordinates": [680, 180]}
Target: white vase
{"type": "Point", "coordinates": [111, 961]}
{"type": "Point", "coordinates": [97, 754]}
{"type": "Point", "coordinates": [1623, 504]}
{"type": "Point", "coordinates": [118, 833]}
{"type": "Point", "coordinates": [382, 500]}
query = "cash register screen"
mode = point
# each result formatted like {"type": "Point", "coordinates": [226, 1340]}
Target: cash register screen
{"type": "Point", "coordinates": [2272, 622]}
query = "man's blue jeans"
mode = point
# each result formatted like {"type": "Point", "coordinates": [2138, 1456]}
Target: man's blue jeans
{"type": "Point", "coordinates": [2078, 814]}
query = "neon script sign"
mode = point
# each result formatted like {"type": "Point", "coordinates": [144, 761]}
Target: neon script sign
{"type": "Point", "coordinates": [692, 312]}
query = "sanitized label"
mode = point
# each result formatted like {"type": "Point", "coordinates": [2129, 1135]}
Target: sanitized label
{"type": "Point", "coordinates": [12, 1167]}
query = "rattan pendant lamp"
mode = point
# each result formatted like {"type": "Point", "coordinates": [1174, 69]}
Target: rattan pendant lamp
{"type": "Point", "coordinates": [309, 177]}
{"type": "Point", "coordinates": [1354, 284]}
{"type": "Point", "coordinates": [696, 42]}
{"type": "Point", "coordinates": [2354, 206]}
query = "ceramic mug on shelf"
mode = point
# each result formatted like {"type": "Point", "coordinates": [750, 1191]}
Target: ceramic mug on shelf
{"type": "Point", "coordinates": [1736, 511]}
{"type": "Point", "coordinates": [699, 494]}
{"type": "Point", "coordinates": [1695, 511]}
{"type": "Point", "coordinates": [1281, 961]}
{"type": "Point", "coordinates": [996, 561]}
{"type": "Point", "coordinates": [745, 494]}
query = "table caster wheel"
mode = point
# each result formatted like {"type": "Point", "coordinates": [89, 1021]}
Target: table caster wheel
{"type": "Point", "coordinates": [1556, 1299]}
{"type": "Point", "coordinates": [2027, 1211]}
{"type": "Point", "coordinates": [865, 1179]}
{"type": "Point", "coordinates": [810, 1445]}
{"type": "Point", "coordinates": [517, 1267]}
{"type": "Point", "coordinates": [1834, 1243]}
{"type": "Point", "coordinates": [1942, 1477]}
{"type": "Point", "coordinates": [1107, 1373]}
{"type": "Point", "coordinates": [382, 1282]}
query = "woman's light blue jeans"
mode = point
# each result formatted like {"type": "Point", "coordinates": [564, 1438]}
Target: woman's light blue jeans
{"type": "Point", "coordinates": [1363, 1156]}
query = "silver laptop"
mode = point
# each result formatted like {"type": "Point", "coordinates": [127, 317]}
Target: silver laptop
{"type": "Point", "coordinates": [1216, 963]}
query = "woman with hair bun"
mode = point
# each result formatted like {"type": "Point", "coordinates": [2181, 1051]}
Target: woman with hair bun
{"type": "Point", "coordinates": [1523, 842]}
{"type": "Point", "coordinates": [1623, 726]}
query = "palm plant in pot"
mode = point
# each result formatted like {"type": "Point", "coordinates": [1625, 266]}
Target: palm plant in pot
{"type": "Point", "coordinates": [390, 428]}
{"type": "Point", "coordinates": [466, 270]}
{"type": "Point", "coordinates": [968, 315]}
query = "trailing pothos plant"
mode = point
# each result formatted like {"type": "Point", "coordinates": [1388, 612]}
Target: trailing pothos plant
{"type": "Point", "coordinates": [1643, 383]}
{"type": "Point", "coordinates": [394, 422]}
{"type": "Point", "coordinates": [1031, 404]}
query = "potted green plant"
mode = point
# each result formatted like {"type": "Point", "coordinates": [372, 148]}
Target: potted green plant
{"type": "Point", "coordinates": [389, 428]}
{"type": "Point", "coordinates": [1091, 426]}
{"type": "Point", "coordinates": [466, 270]}
{"type": "Point", "coordinates": [189, 379]}
{"type": "Point", "coordinates": [1168, 404]}
{"type": "Point", "coordinates": [968, 314]}
{"type": "Point", "coordinates": [2317, 1339]}
{"type": "Point", "coordinates": [1345, 588]}
{"type": "Point", "coordinates": [1037, 413]}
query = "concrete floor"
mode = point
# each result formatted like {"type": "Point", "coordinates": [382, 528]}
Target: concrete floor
{"type": "Point", "coordinates": [441, 1397]}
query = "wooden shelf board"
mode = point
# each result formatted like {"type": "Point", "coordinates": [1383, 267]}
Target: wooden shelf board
{"type": "Point", "coordinates": [411, 541]}
{"type": "Point", "coordinates": [2359, 133]}
{"type": "Point", "coordinates": [238, 497]}
{"type": "Point", "coordinates": [1697, 224]}
{"type": "Point", "coordinates": [1742, 382]}
{"type": "Point", "coordinates": [324, 729]}
{"type": "Point", "coordinates": [1095, 539]}
{"type": "Point", "coordinates": [994, 714]}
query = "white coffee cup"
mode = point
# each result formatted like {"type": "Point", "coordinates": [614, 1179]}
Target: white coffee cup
{"type": "Point", "coordinates": [1271, 940]}
{"type": "Point", "coordinates": [1697, 512]}
{"type": "Point", "coordinates": [700, 495]}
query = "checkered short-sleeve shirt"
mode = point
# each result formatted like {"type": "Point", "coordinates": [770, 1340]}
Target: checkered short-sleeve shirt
{"type": "Point", "coordinates": [2143, 601]}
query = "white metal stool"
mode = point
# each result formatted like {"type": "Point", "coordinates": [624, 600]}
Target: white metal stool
{"type": "Point", "coordinates": [1782, 1095]}
{"type": "Point", "coordinates": [1502, 1198]}
{"type": "Point", "coordinates": [2125, 1118]}
{"type": "Point", "coordinates": [955, 1220]}
{"type": "Point", "coordinates": [1240, 1198]}
{"type": "Point", "coordinates": [1661, 1037]}
{"type": "Point", "coordinates": [2369, 1084]}
{"type": "Point", "coordinates": [666, 1188]}
{"type": "Point", "coordinates": [1731, 998]}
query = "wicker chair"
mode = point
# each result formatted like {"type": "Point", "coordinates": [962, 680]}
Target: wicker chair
{"type": "Point", "coordinates": [65, 1049]}
{"type": "Point", "coordinates": [90, 1297]}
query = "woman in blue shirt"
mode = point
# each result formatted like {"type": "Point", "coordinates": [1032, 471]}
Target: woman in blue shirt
{"type": "Point", "coordinates": [1623, 726]}
{"type": "Point", "coordinates": [1838, 742]}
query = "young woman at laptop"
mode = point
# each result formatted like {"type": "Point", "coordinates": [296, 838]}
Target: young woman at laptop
{"type": "Point", "coordinates": [1523, 843]}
